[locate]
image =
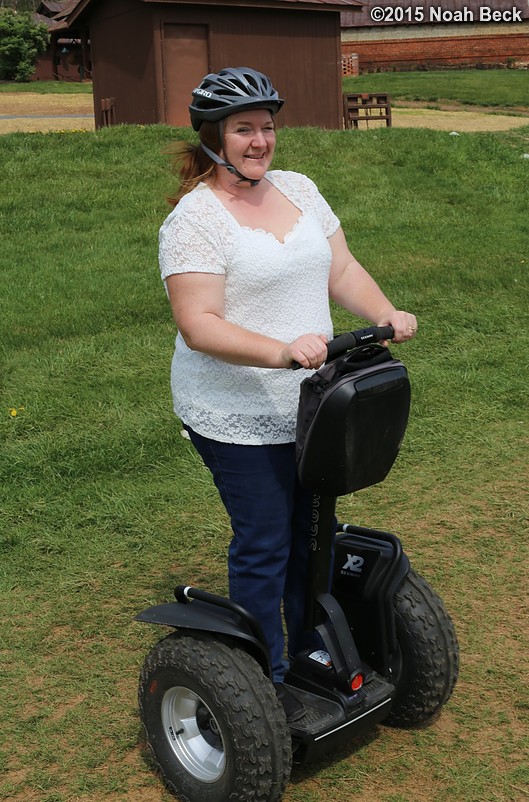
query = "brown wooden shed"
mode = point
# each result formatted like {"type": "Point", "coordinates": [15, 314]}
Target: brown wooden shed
{"type": "Point", "coordinates": [148, 55]}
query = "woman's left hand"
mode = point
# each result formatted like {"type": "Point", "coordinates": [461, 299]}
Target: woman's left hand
{"type": "Point", "coordinates": [404, 325]}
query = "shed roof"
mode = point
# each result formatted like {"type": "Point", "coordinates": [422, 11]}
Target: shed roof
{"type": "Point", "coordinates": [56, 13]}
{"type": "Point", "coordinates": [338, 4]}
{"type": "Point", "coordinates": [49, 22]}
{"type": "Point", "coordinates": [356, 20]}
{"type": "Point", "coordinates": [80, 6]}
{"type": "Point", "coordinates": [48, 7]}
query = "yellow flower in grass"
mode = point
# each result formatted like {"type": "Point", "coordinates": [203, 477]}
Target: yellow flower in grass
{"type": "Point", "coordinates": [13, 411]}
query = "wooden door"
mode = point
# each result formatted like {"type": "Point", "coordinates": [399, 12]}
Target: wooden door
{"type": "Point", "coordinates": [185, 63]}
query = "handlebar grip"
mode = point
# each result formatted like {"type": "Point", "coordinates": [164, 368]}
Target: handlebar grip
{"type": "Point", "coordinates": [384, 332]}
{"type": "Point", "coordinates": [340, 344]}
{"type": "Point", "coordinates": [344, 342]}
{"type": "Point", "coordinates": [351, 339]}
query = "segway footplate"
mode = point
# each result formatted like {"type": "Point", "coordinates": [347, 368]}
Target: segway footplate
{"type": "Point", "coordinates": [329, 724]}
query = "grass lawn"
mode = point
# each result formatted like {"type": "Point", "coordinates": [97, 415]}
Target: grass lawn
{"type": "Point", "coordinates": [48, 87]}
{"type": "Point", "coordinates": [502, 88]}
{"type": "Point", "coordinates": [105, 507]}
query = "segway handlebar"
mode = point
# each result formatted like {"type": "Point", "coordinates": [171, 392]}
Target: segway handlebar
{"type": "Point", "coordinates": [351, 339]}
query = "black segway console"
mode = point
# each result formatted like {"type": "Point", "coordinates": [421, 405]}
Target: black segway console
{"type": "Point", "coordinates": [352, 417]}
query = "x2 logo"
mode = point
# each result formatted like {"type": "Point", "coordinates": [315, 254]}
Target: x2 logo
{"type": "Point", "coordinates": [353, 565]}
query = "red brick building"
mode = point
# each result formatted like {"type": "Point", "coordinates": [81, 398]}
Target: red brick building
{"type": "Point", "coordinates": [418, 34]}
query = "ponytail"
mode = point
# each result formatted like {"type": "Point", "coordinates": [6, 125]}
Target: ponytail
{"type": "Point", "coordinates": [191, 163]}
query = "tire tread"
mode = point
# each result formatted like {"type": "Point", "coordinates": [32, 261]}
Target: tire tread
{"type": "Point", "coordinates": [259, 738]}
{"type": "Point", "coordinates": [430, 653]}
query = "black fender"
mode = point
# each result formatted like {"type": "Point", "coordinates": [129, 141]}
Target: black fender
{"type": "Point", "coordinates": [369, 567]}
{"type": "Point", "coordinates": [197, 615]}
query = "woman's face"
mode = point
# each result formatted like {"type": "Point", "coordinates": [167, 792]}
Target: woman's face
{"type": "Point", "coordinates": [249, 142]}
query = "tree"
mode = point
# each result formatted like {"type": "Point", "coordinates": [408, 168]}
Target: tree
{"type": "Point", "coordinates": [22, 40]}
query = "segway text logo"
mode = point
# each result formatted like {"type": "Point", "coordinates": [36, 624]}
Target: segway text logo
{"type": "Point", "coordinates": [314, 523]}
{"type": "Point", "coordinates": [353, 565]}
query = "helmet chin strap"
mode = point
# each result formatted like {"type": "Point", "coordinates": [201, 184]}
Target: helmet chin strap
{"type": "Point", "coordinates": [233, 170]}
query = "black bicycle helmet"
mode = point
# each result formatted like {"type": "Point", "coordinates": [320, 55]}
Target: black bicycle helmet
{"type": "Point", "coordinates": [230, 90]}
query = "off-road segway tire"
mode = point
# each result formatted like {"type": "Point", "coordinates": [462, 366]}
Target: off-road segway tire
{"type": "Point", "coordinates": [429, 651]}
{"type": "Point", "coordinates": [213, 722]}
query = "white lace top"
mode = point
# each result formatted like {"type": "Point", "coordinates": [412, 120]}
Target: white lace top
{"type": "Point", "coordinates": [277, 289]}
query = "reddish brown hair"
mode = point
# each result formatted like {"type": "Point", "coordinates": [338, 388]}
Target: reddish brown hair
{"type": "Point", "coordinates": [191, 163]}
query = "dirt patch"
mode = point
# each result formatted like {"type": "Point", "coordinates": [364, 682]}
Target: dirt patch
{"type": "Point", "coordinates": [33, 104]}
{"type": "Point", "coordinates": [29, 111]}
{"type": "Point", "coordinates": [460, 121]}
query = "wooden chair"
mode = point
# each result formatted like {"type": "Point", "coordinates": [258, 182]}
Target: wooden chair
{"type": "Point", "coordinates": [108, 109]}
{"type": "Point", "coordinates": [364, 107]}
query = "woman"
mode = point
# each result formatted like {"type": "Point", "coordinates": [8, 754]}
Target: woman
{"type": "Point", "coordinates": [249, 258]}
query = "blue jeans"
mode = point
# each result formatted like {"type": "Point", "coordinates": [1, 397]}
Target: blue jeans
{"type": "Point", "coordinates": [270, 517]}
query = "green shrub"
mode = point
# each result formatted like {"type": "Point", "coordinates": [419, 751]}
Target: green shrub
{"type": "Point", "coordinates": [22, 40]}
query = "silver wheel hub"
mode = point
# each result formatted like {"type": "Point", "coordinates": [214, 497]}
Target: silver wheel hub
{"type": "Point", "coordinates": [193, 734]}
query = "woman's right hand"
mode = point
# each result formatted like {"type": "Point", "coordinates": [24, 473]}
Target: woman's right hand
{"type": "Point", "coordinates": [197, 300]}
{"type": "Point", "coordinates": [309, 351]}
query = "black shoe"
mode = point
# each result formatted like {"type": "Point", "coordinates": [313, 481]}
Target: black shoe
{"type": "Point", "coordinates": [294, 710]}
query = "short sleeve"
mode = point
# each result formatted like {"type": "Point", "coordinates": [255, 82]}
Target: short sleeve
{"type": "Point", "coordinates": [305, 194]}
{"type": "Point", "coordinates": [190, 242]}
{"type": "Point", "coordinates": [321, 209]}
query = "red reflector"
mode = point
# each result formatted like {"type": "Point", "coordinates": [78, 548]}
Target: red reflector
{"type": "Point", "coordinates": [357, 682]}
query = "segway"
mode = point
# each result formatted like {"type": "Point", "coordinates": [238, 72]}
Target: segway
{"type": "Point", "coordinates": [389, 653]}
